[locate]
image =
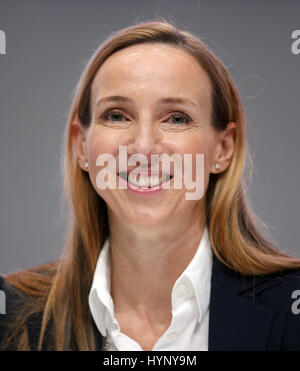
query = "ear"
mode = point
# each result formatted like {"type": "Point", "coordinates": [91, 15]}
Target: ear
{"type": "Point", "coordinates": [79, 134]}
{"type": "Point", "coordinates": [224, 148]}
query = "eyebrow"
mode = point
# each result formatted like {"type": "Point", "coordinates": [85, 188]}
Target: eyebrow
{"type": "Point", "coordinates": [119, 98]}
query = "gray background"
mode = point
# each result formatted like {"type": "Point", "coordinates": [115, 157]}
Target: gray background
{"type": "Point", "coordinates": [48, 43]}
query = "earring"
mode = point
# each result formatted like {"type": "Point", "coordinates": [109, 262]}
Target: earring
{"type": "Point", "coordinates": [86, 164]}
{"type": "Point", "coordinates": [218, 165]}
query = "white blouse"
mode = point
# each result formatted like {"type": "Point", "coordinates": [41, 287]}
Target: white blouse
{"type": "Point", "coordinates": [188, 329]}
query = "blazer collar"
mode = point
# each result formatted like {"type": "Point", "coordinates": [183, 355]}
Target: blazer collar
{"type": "Point", "coordinates": [238, 319]}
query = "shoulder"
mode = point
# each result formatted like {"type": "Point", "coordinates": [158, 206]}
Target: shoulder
{"type": "Point", "coordinates": [281, 292]}
{"type": "Point", "coordinates": [275, 295]}
{"type": "Point", "coordinates": [22, 299]}
{"type": "Point", "coordinates": [10, 297]}
{"type": "Point", "coordinates": [273, 287]}
{"type": "Point", "coordinates": [10, 302]}
{"type": "Point", "coordinates": [286, 296]}
{"type": "Point", "coordinates": [280, 288]}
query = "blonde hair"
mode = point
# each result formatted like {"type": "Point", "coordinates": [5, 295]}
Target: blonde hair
{"type": "Point", "coordinates": [61, 289]}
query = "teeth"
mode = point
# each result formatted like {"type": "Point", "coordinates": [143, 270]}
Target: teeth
{"type": "Point", "coordinates": [146, 181]}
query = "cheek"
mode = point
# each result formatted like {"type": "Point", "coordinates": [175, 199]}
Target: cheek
{"type": "Point", "coordinates": [99, 143]}
{"type": "Point", "coordinates": [193, 146]}
{"type": "Point", "coordinates": [196, 146]}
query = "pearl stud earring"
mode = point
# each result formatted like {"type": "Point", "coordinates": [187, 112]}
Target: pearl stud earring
{"type": "Point", "coordinates": [86, 164]}
{"type": "Point", "coordinates": [218, 165]}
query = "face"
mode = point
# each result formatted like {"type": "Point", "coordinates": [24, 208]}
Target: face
{"type": "Point", "coordinates": [146, 122]}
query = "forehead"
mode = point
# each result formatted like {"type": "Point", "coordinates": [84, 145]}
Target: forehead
{"type": "Point", "coordinates": [152, 69]}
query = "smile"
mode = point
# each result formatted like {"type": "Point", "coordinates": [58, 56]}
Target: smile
{"type": "Point", "coordinates": [145, 181]}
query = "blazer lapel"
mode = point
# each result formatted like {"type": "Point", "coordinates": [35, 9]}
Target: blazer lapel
{"type": "Point", "coordinates": [238, 320]}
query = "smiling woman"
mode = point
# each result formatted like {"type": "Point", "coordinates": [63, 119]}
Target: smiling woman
{"type": "Point", "coordinates": [144, 268]}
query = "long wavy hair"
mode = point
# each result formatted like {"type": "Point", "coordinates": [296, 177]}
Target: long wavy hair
{"type": "Point", "coordinates": [60, 289]}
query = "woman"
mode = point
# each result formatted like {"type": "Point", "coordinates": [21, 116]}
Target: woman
{"type": "Point", "coordinates": [145, 268]}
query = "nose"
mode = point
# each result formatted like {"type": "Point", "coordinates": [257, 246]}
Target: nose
{"type": "Point", "coordinates": [145, 138]}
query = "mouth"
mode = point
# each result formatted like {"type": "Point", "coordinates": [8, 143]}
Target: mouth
{"type": "Point", "coordinates": [145, 180]}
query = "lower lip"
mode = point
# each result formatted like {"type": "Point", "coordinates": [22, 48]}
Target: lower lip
{"type": "Point", "coordinates": [145, 191]}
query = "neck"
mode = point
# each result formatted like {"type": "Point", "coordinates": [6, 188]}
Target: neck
{"type": "Point", "coordinates": [147, 263]}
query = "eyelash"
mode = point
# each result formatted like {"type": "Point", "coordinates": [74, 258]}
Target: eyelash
{"type": "Point", "coordinates": [174, 114]}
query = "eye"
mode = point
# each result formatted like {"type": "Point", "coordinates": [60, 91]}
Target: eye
{"type": "Point", "coordinates": [113, 115]}
{"type": "Point", "coordinates": [179, 118]}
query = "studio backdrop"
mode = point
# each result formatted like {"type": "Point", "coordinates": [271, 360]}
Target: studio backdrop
{"type": "Point", "coordinates": [43, 48]}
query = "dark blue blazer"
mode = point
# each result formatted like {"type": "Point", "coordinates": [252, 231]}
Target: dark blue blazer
{"type": "Point", "coordinates": [246, 312]}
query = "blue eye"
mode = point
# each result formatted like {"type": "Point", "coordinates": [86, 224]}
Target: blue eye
{"type": "Point", "coordinates": [115, 116]}
{"type": "Point", "coordinates": [178, 117]}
